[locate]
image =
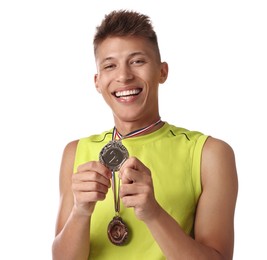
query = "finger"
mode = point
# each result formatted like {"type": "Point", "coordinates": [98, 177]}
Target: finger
{"type": "Point", "coordinates": [135, 164]}
{"type": "Point", "coordinates": [128, 176]}
{"type": "Point", "coordinates": [134, 170]}
{"type": "Point", "coordinates": [135, 201]}
{"type": "Point", "coordinates": [86, 197]}
{"type": "Point", "coordinates": [90, 186]}
{"type": "Point", "coordinates": [90, 176]}
{"type": "Point", "coordinates": [131, 201]}
{"type": "Point", "coordinates": [133, 189]}
{"type": "Point", "coordinates": [95, 166]}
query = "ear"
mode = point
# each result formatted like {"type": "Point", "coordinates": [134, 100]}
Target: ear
{"type": "Point", "coordinates": [163, 72]}
{"type": "Point", "coordinates": [96, 83]}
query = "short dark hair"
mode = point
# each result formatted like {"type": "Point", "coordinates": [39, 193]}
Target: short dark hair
{"type": "Point", "coordinates": [125, 23]}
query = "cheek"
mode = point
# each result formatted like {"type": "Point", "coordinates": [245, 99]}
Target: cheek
{"type": "Point", "coordinates": [105, 79]}
{"type": "Point", "coordinates": [152, 76]}
{"type": "Point", "coordinates": [101, 84]}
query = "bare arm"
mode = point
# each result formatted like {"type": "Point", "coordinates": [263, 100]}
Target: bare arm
{"type": "Point", "coordinates": [78, 194]}
{"type": "Point", "coordinates": [214, 231]}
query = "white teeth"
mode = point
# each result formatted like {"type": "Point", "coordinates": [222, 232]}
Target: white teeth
{"type": "Point", "coordinates": [126, 93]}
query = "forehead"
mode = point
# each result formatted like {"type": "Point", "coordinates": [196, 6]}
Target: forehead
{"type": "Point", "coordinates": [121, 47]}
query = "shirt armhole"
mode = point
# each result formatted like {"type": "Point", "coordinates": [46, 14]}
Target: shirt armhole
{"type": "Point", "coordinates": [196, 166]}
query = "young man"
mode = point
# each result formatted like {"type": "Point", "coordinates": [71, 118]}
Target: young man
{"type": "Point", "coordinates": [145, 189]}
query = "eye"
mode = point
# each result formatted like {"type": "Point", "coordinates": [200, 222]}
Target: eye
{"type": "Point", "coordinates": [109, 66]}
{"type": "Point", "coordinates": [138, 62]}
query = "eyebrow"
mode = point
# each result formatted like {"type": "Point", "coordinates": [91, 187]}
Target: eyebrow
{"type": "Point", "coordinates": [131, 55]}
{"type": "Point", "coordinates": [137, 53]}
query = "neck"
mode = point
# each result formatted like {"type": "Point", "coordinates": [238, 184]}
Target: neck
{"type": "Point", "coordinates": [128, 129]}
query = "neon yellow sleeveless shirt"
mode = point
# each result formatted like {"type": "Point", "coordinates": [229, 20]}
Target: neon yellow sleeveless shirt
{"type": "Point", "coordinates": [173, 156]}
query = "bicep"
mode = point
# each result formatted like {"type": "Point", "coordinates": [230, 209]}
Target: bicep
{"type": "Point", "coordinates": [214, 225]}
{"type": "Point", "coordinates": [65, 183]}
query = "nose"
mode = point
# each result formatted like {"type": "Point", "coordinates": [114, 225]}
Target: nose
{"type": "Point", "coordinates": [124, 73]}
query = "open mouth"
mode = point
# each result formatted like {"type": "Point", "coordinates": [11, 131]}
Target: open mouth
{"type": "Point", "coordinates": [127, 93]}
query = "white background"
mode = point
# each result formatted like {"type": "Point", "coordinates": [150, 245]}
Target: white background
{"type": "Point", "coordinates": [217, 56]}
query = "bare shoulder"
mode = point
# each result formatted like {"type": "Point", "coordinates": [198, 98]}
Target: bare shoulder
{"type": "Point", "coordinates": [70, 149]}
{"type": "Point", "coordinates": [218, 158]}
{"type": "Point", "coordinates": [215, 147]}
{"type": "Point", "coordinates": [67, 162]}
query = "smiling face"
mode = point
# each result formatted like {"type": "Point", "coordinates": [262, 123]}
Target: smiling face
{"type": "Point", "coordinates": [129, 73]}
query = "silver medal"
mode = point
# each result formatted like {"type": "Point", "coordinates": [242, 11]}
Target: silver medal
{"type": "Point", "coordinates": [113, 155]}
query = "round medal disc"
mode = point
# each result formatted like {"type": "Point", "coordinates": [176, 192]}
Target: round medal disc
{"type": "Point", "coordinates": [117, 231]}
{"type": "Point", "coordinates": [113, 155]}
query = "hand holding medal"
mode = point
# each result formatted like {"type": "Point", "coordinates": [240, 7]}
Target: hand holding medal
{"type": "Point", "coordinates": [113, 155]}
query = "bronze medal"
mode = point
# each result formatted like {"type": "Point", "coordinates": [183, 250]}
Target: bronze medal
{"type": "Point", "coordinates": [117, 231]}
{"type": "Point", "coordinates": [113, 155]}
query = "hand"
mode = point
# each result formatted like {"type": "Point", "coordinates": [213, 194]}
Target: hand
{"type": "Point", "coordinates": [137, 189]}
{"type": "Point", "coordinates": [90, 184]}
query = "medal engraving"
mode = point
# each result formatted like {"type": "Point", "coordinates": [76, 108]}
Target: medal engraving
{"type": "Point", "coordinates": [117, 231]}
{"type": "Point", "coordinates": [113, 155]}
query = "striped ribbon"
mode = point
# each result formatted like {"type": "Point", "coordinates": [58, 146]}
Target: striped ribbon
{"type": "Point", "coordinates": [117, 136]}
